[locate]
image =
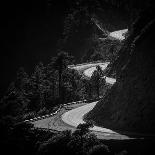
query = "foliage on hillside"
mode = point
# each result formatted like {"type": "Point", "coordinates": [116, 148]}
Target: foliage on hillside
{"type": "Point", "coordinates": [22, 138]}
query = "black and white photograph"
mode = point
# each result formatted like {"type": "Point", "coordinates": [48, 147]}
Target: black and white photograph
{"type": "Point", "coordinates": [77, 77]}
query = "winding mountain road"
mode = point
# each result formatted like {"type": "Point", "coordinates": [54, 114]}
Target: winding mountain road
{"type": "Point", "coordinates": [75, 117]}
{"type": "Point", "coordinates": [69, 119]}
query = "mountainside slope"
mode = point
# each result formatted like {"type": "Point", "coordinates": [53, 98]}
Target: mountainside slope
{"type": "Point", "coordinates": [130, 104]}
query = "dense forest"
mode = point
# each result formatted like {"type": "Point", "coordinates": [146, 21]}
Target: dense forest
{"type": "Point", "coordinates": [41, 86]}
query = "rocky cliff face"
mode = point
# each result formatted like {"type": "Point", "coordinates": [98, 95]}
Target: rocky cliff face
{"type": "Point", "coordinates": [130, 104]}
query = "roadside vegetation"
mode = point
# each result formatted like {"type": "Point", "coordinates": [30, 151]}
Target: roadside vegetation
{"type": "Point", "coordinates": [22, 138]}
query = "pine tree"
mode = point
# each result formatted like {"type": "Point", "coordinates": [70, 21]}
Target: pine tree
{"type": "Point", "coordinates": [60, 63]}
{"type": "Point", "coordinates": [87, 88]}
{"type": "Point", "coordinates": [52, 78]}
{"type": "Point", "coordinates": [96, 79]}
{"type": "Point", "coordinates": [38, 83]}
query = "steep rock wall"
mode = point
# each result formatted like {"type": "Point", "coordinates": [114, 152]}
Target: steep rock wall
{"type": "Point", "coordinates": [130, 104]}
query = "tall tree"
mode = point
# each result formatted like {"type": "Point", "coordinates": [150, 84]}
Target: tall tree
{"type": "Point", "coordinates": [71, 79]}
{"type": "Point", "coordinates": [87, 88]}
{"type": "Point", "coordinates": [60, 63]}
{"type": "Point", "coordinates": [38, 82]}
{"type": "Point", "coordinates": [52, 77]}
{"type": "Point", "coordinates": [96, 78]}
